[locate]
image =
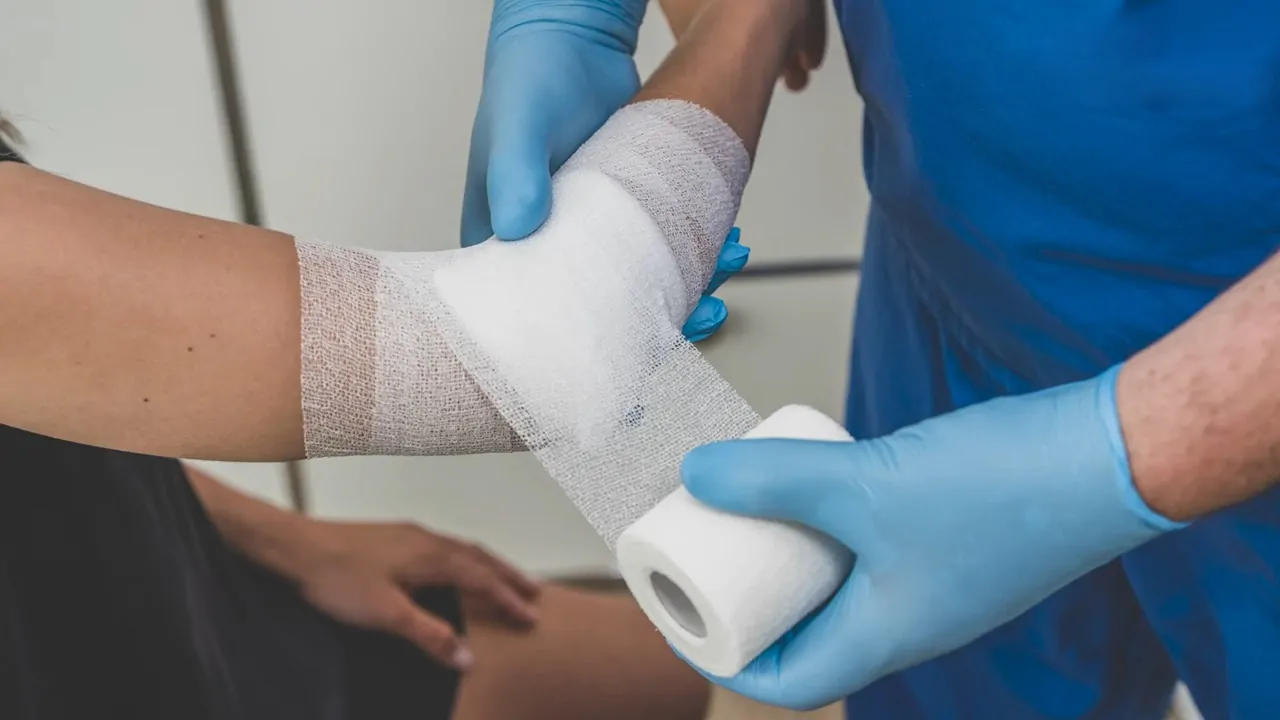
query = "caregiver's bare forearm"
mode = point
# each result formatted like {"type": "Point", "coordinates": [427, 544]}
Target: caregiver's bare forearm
{"type": "Point", "coordinates": [1200, 409]}
{"type": "Point", "coordinates": [728, 61]}
{"type": "Point", "coordinates": [133, 327]}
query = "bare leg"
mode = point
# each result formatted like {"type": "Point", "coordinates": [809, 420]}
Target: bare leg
{"type": "Point", "coordinates": [592, 655]}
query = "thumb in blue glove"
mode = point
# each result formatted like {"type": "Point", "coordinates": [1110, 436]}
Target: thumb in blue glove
{"type": "Point", "coordinates": [555, 70]}
{"type": "Point", "coordinates": [959, 524]}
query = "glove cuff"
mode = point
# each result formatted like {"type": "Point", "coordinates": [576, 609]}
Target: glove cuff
{"type": "Point", "coordinates": [1110, 414]}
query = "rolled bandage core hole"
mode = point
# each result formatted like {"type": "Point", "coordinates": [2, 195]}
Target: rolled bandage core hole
{"type": "Point", "coordinates": [678, 605]}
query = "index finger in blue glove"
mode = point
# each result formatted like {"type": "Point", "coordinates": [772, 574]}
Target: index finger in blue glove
{"type": "Point", "coordinates": [810, 482]}
{"type": "Point", "coordinates": [731, 260]}
{"type": "Point", "coordinates": [851, 640]}
{"type": "Point", "coordinates": [711, 312]}
{"type": "Point", "coordinates": [707, 317]}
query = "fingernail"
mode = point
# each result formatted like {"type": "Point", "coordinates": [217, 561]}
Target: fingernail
{"type": "Point", "coordinates": [463, 658]}
{"type": "Point", "coordinates": [735, 256]}
{"type": "Point", "coordinates": [719, 314]}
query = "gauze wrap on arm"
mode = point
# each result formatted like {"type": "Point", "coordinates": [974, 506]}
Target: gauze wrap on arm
{"type": "Point", "coordinates": [568, 343]}
{"type": "Point", "coordinates": [657, 188]}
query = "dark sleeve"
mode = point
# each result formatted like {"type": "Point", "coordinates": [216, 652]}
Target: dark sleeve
{"type": "Point", "coordinates": [8, 153]}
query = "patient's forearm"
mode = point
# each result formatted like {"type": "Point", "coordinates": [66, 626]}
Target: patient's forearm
{"type": "Point", "coordinates": [137, 328]}
{"type": "Point", "coordinates": [130, 326]}
{"type": "Point", "coordinates": [729, 59]}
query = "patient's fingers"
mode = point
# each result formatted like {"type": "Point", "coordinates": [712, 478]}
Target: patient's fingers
{"type": "Point", "coordinates": [445, 561]}
{"type": "Point", "coordinates": [434, 636]}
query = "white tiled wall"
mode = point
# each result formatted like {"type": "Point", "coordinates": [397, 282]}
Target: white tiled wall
{"type": "Point", "coordinates": [118, 94]}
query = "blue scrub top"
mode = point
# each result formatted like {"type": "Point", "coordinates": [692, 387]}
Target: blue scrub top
{"type": "Point", "coordinates": [1057, 184]}
{"type": "Point", "coordinates": [1071, 178]}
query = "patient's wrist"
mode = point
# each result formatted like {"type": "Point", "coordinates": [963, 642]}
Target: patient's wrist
{"type": "Point", "coordinates": [729, 61]}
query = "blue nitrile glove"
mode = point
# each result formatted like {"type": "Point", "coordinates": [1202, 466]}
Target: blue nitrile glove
{"type": "Point", "coordinates": [959, 524]}
{"type": "Point", "coordinates": [555, 70]}
{"type": "Point", "coordinates": [711, 312]}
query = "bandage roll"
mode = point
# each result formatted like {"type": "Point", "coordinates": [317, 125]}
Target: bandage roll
{"type": "Point", "coordinates": [722, 588]}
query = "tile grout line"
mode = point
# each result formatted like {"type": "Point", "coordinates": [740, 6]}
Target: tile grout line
{"type": "Point", "coordinates": [246, 181]}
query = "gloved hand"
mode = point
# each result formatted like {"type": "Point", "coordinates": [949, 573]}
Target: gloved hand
{"type": "Point", "coordinates": [711, 312]}
{"type": "Point", "coordinates": [555, 70]}
{"type": "Point", "coordinates": [958, 524]}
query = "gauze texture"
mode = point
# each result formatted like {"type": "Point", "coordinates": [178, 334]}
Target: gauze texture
{"type": "Point", "coordinates": [566, 343]}
{"type": "Point", "coordinates": [685, 168]}
{"type": "Point", "coordinates": [377, 376]}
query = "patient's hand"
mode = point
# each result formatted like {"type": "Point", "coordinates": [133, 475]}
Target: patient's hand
{"type": "Point", "coordinates": [808, 45]}
{"type": "Point", "coordinates": [362, 574]}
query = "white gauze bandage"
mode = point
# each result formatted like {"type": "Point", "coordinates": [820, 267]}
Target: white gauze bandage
{"type": "Point", "coordinates": [568, 343]}
{"type": "Point", "coordinates": [639, 216]}
{"type": "Point", "coordinates": [574, 335]}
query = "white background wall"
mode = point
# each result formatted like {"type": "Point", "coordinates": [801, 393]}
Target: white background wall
{"type": "Point", "coordinates": [359, 115]}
